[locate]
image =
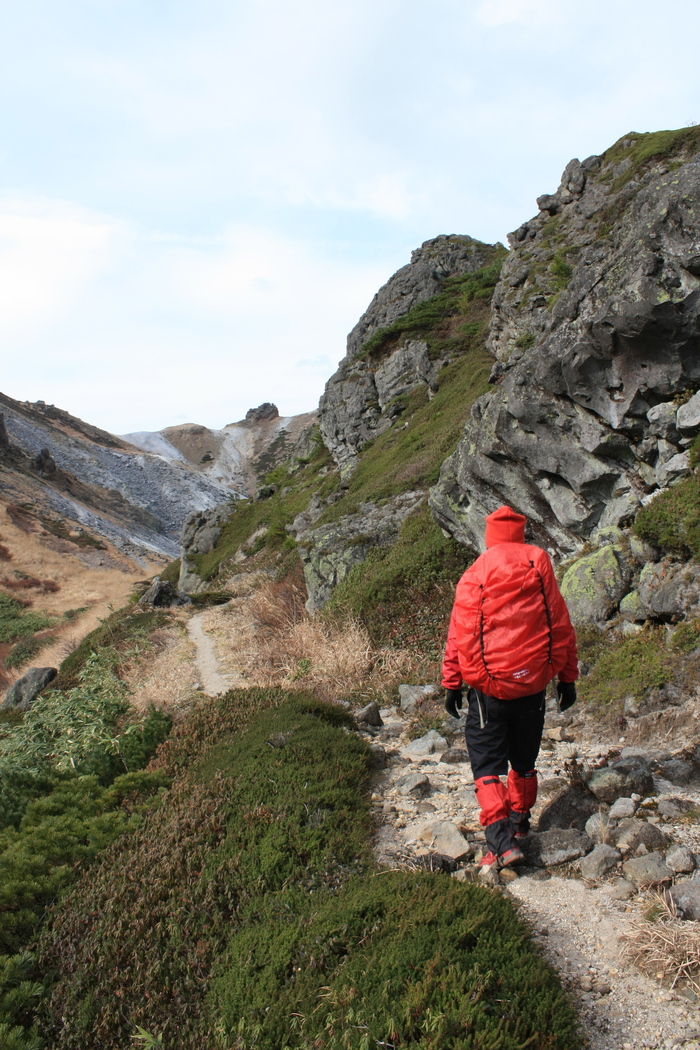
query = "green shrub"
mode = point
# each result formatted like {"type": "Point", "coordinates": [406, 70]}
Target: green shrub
{"type": "Point", "coordinates": [25, 649]}
{"type": "Point", "coordinates": [245, 912]}
{"type": "Point", "coordinates": [672, 519]}
{"type": "Point", "coordinates": [561, 271]}
{"type": "Point", "coordinates": [525, 341]}
{"type": "Point", "coordinates": [396, 960]}
{"type": "Point", "coordinates": [19, 996]}
{"type": "Point", "coordinates": [57, 833]}
{"type": "Point", "coordinates": [16, 622]}
{"type": "Point", "coordinates": [627, 668]}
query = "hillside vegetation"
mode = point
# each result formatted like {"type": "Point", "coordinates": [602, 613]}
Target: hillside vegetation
{"type": "Point", "coordinates": [257, 920]}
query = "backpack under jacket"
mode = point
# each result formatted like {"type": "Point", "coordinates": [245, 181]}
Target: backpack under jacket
{"type": "Point", "coordinates": [510, 631]}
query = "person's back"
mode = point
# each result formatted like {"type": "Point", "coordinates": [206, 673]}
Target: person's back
{"type": "Point", "coordinates": [509, 635]}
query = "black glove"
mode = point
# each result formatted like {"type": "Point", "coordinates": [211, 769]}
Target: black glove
{"type": "Point", "coordinates": [453, 702]}
{"type": "Point", "coordinates": [567, 695]}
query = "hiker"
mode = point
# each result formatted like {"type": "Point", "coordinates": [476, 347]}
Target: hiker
{"type": "Point", "coordinates": [510, 635]}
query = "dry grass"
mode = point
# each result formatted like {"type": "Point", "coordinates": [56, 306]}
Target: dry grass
{"type": "Point", "coordinates": [164, 674]}
{"type": "Point", "coordinates": [268, 638]}
{"type": "Point", "coordinates": [66, 582]}
{"type": "Point", "coordinates": [667, 948]}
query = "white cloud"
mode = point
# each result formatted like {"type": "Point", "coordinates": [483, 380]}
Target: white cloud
{"type": "Point", "coordinates": [183, 327]}
{"type": "Point", "coordinates": [50, 253]}
{"type": "Point", "coordinates": [500, 12]}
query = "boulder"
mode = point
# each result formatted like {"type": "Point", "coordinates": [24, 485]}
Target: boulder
{"type": "Point", "coordinates": [454, 755]}
{"type": "Point", "coordinates": [596, 827]}
{"type": "Point", "coordinates": [25, 690]}
{"type": "Point", "coordinates": [663, 422]}
{"type": "Point", "coordinates": [650, 870]}
{"type": "Point", "coordinates": [672, 808]}
{"type": "Point", "coordinates": [415, 784]}
{"type": "Point", "coordinates": [625, 777]}
{"type": "Point", "coordinates": [411, 695]}
{"type": "Point", "coordinates": [680, 860]}
{"type": "Point", "coordinates": [676, 771]}
{"type": "Point", "coordinates": [370, 715]}
{"type": "Point", "coordinates": [686, 899]}
{"type": "Point", "coordinates": [200, 533]}
{"type": "Point", "coordinates": [570, 808]}
{"type": "Point", "coordinates": [547, 848]}
{"type": "Point", "coordinates": [668, 590]}
{"type": "Point", "coordinates": [595, 584]}
{"type": "Point", "coordinates": [329, 552]}
{"type": "Point", "coordinates": [631, 608]}
{"type": "Point", "coordinates": [629, 835]}
{"type": "Point", "coordinates": [599, 861]}
{"type": "Point", "coordinates": [622, 808]}
{"type": "Point", "coordinates": [445, 838]}
{"type": "Point", "coordinates": [162, 593]}
{"type": "Point", "coordinates": [428, 744]}
{"type": "Point", "coordinates": [688, 418]}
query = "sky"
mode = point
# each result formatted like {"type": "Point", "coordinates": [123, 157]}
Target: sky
{"type": "Point", "coordinates": [198, 200]}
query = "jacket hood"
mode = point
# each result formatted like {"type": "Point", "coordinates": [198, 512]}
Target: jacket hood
{"type": "Point", "coordinates": [505, 526]}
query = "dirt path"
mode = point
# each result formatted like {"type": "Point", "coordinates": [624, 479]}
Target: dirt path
{"type": "Point", "coordinates": [212, 681]}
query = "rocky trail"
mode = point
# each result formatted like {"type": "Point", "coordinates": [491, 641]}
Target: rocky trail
{"type": "Point", "coordinates": [427, 815]}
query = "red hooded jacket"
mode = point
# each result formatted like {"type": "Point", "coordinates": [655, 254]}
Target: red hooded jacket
{"type": "Point", "coordinates": [510, 631]}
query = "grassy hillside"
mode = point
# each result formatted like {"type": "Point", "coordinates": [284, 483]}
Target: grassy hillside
{"type": "Point", "coordinates": [245, 912]}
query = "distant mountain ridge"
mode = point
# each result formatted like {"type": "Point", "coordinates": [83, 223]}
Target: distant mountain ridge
{"type": "Point", "coordinates": [238, 455]}
{"type": "Point", "coordinates": [135, 493]}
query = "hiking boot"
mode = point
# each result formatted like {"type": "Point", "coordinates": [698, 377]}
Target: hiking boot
{"type": "Point", "coordinates": [511, 857]}
{"type": "Point", "coordinates": [488, 860]}
{"type": "Point", "coordinates": [508, 859]}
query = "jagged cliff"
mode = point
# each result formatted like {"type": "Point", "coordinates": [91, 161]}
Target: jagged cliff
{"type": "Point", "coordinates": [595, 330]}
{"type": "Point", "coordinates": [387, 358]}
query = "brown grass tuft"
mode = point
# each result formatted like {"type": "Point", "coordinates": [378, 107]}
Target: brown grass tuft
{"type": "Point", "coordinates": [666, 948]}
{"type": "Point", "coordinates": [269, 639]}
{"type": "Point", "coordinates": [22, 518]}
{"type": "Point", "coordinates": [5, 554]}
{"type": "Point", "coordinates": [21, 582]}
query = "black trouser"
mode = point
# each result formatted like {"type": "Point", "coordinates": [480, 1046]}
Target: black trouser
{"type": "Point", "coordinates": [499, 732]}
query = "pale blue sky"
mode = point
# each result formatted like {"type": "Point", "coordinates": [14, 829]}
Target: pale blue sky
{"type": "Point", "coordinates": [198, 200]}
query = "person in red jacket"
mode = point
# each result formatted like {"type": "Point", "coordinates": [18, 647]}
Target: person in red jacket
{"type": "Point", "coordinates": [510, 635]}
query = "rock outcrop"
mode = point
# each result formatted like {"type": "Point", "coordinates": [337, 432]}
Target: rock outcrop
{"type": "Point", "coordinates": [22, 694]}
{"type": "Point", "coordinates": [595, 328]}
{"type": "Point", "coordinates": [329, 552]}
{"type": "Point", "coordinates": [359, 401]}
{"type": "Point", "coordinates": [199, 535]}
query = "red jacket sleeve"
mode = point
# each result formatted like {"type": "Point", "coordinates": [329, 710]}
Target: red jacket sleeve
{"type": "Point", "coordinates": [451, 673]}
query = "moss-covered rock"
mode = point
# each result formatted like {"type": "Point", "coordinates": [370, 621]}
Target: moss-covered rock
{"type": "Point", "coordinates": [594, 585]}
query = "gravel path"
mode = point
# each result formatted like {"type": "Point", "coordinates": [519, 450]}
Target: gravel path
{"type": "Point", "coordinates": [579, 927]}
